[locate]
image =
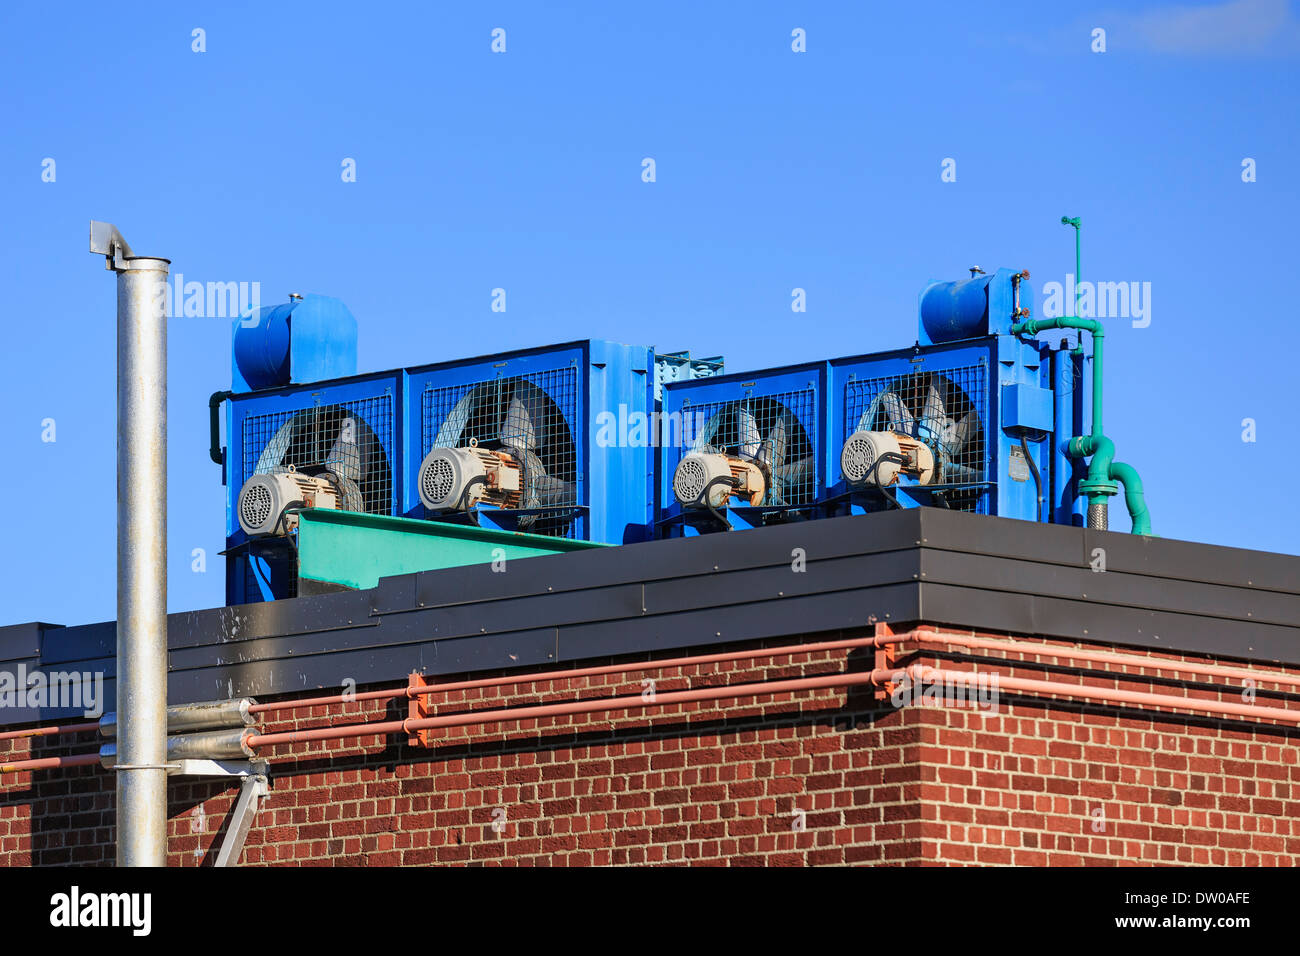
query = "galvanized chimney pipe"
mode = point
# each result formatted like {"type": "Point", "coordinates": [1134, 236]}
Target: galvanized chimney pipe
{"type": "Point", "coordinates": [141, 548]}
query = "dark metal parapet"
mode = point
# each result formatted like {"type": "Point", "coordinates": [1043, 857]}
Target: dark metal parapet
{"type": "Point", "coordinates": [948, 568]}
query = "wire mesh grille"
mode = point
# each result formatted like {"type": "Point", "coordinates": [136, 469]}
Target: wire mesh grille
{"type": "Point", "coordinates": [768, 429]}
{"type": "Point", "coordinates": [947, 409]}
{"type": "Point", "coordinates": [530, 416]}
{"type": "Point", "coordinates": [346, 439]}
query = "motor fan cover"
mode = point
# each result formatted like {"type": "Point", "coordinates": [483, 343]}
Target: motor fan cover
{"type": "Point", "coordinates": [698, 470]}
{"type": "Point", "coordinates": [264, 498]}
{"type": "Point", "coordinates": [457, 479]}
{"type": "Point", "coordinates": [863, 449]}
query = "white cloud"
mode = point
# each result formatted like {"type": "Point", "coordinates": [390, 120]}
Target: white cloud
{"type": "Point", "coordinates": [1235, 27]}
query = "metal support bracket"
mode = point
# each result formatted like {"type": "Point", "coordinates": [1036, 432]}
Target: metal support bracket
{"type": "Point", "coordinates": [418, 707]}
{"type": "Point", "coordinates": [886, 659]}
{"type": "Point", "coordinates": [193, 767]}
{"type": "Point", "coordinates": [254, 788]}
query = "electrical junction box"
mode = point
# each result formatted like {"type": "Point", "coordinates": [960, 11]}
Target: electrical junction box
{"type": "Point", "coordinates": [1027, 406]}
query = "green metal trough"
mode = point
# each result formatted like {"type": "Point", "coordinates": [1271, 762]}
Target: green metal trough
{"type": "Point", "coordinates": [352, 550]}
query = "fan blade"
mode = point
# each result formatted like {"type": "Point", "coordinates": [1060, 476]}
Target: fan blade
{"type": "Point", "coordinates": [896, 416]}
{"type": "Point", "coordinates": [933, 414]}
{"type": "Point", "coordinates": [704, 440]}
{"type": "Point", "coordinates": [519, 429]}
{"type": "Point", "coordinates": [272, 456]}
{"type": "Point", "coordinates": [956, 434]}
{"type": "Point", "coordinates": [899, 418]}
{"type": "Point", "coordinates": [795, 470]}
{"type": "Point", "coordinates": [772, 451]}
{"type": "Point", "coordinates": [954, 473]}
{"type": "Point", "coordinates": [792, 476]}
{"type": "Point", "coordinates": [347, 456]}
{"type": "Point", "coordinates": [449, 433]}
{"type": "Point", "coordinates": [748, 440]}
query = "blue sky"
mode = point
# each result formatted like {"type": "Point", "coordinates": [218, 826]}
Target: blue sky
{"type": "Point", "coordinates": [775, 170]}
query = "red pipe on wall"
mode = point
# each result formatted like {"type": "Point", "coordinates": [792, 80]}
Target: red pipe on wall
{"type": "Point", "coordinates": [45, 763]}
{"type": "Point", "coordinates": [535, 677]}
{"type": "Point", "coordinates": [925, 673]}
{"type": "Point", "coordinates": [50, 731]}
{"type": "Point", "coordinates": [916, 672]}
{"type": "Point", "coordinates": [632, 702]}
{"type": "Point", "coordinates": [1106, 657]}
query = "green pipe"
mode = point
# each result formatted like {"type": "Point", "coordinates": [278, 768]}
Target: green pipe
{"type": "Point", "coordinates": [1103, 470]}
{"type": "Point", "coordinates": [1078, 268]}
{"type": "Point", "coordinates": [1134, 496]}
{"type": "Point", "coordinates": [1102, 452]}
{"type": "Point", "coordinates": [1034, 326]}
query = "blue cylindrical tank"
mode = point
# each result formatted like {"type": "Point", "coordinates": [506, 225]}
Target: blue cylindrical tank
{"type": "Point", "coordinates": [262, 346]}
{"type": "Point", "coordinates": [956, 310]}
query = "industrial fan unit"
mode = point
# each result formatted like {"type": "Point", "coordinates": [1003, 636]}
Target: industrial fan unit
{"type": "Point", "coordinates": [912, 420]}
{"type": "Point", "coordinates": [962, 420]}
{"type": "Point", "coordinates": [518, 441]}
{"type": "Point", "coordinates": [327, 445]}
{"type": "Point", "coordinates": [747, 449]}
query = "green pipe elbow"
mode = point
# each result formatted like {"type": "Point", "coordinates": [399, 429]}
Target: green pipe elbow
{"type": "Point", "coordinates": [1134, 495]}
{"type": "Point", "coordinates": [1102, 452]}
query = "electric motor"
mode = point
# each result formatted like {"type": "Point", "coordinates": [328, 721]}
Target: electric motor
{"type": "Point", "coordinates": [863, 459]}
{"type": "Point", "coordinates": [457, 479]}
{"type": "Point", "coordinates": [706, 480]}
{"type": "Point", "coordinates": [264, 498]}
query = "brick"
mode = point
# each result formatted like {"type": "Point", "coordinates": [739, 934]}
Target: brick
{"type": "Point", "coordinates": [921, 785]}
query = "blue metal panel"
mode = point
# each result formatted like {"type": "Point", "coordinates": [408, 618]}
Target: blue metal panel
{"type": "Point", "coordinates": [1020, 363]}
{"type": "Point", "coordinates": [690, 407]}
{"type": "Point", "coordinates": [1027, 406]}
{"type": "Point", "coordinates": [621, 485]}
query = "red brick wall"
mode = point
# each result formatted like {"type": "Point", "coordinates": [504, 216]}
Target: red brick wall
{"type": "Point", "coordinates": [826, 777]}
